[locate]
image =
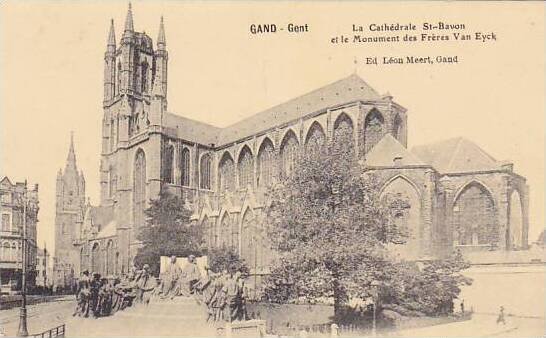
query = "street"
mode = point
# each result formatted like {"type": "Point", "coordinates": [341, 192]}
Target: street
{"type": "Point", "coordinates": [40, 317]}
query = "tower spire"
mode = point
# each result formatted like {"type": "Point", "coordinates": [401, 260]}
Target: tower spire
{"type": "Point", "coordinates": [129, 20]}
{"type": "Point", "coordinates": [161, 42]}
{"type": "Point", "coordinates": [111, 35]}
{"type": "Point", "coordinates": [71, 159]}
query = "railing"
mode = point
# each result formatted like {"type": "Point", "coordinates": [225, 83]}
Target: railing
{"type": "Point", "coordinates": [58, 331]}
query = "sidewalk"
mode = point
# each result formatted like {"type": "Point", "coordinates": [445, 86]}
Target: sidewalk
{"type": "Point", "coordinates": [478, 326]}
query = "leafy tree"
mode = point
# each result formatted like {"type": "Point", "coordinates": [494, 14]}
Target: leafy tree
{"type": "Point", "coordinates": [221, 259]}
{"type": "Point", "coordinates": [332, 234]}
{"type": "Point", "coordinates": [430, 288]}
{"type": "Point", "coordinates": [330, 230]}
{"type": "Point", "coordinates": [168, 232]}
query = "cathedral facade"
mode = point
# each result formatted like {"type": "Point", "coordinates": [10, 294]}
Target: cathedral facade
{"type": "Point", "coordinates": [457, 196]}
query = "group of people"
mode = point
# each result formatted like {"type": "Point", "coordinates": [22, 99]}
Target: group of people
{"type": "Point", "coordinates": [223, 293]}
{"type": "Point", "coordinates": [102, 296]}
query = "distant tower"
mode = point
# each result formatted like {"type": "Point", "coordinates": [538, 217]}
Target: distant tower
{"type": "Point", "coordinates": [69, 211]}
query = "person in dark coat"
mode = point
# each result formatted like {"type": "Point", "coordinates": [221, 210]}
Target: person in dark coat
{"type": "Point", "coordinates": [83, 294]}
{"type": "Point", "coordinates": [94, 297]}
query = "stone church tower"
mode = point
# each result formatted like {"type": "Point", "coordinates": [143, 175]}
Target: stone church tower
{"type": "Point", "coordinates": [69, 212]}
{"type": "Point", "coordinates": [135, 87]}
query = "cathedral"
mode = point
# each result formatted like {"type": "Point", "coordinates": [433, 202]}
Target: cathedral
{"type": "Point", "coordinates": [457, 196]}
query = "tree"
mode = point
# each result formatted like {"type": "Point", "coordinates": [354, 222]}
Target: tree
{"type": "Point", "coordinates": [430, 288]}
{"type": "Point", "coordinates": [221, 259]}
{"type": "Point", "coordinates": [168, 232]}
{"type": "Point", "coordinates": [330, 230]}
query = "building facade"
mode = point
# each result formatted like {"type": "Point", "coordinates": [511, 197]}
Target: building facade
{"type": "Point", "coordinates": [17, 202]}
{"type": "Point", "coordinates": [44, 268]}
{"type": "Point", "coordinates": [456, 195]}
{"type": "Point", "coordinates": [70, 208]}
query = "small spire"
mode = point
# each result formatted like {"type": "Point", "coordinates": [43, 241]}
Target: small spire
{"type": "Point", "coordinates": [129, 20]}
{"type": "Point", "coordinates": [161, 42]}
{"type": "Point", "coordinates": [71, 159]}
{"type": "Point", "coordinates": [111, 34]}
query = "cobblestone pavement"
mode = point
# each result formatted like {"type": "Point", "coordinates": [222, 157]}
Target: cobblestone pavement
{"type": "Point", "coordinates": [40, 317]}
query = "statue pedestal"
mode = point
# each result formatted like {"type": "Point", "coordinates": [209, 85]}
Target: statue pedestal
{"type": "Point", "coordinates": [247, 328]}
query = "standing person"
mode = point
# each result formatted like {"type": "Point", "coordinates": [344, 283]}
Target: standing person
{"type": "Point", "coordinates": [146, 284]}
{"type": "Point", "coordinates": [83, 295]}
{"type": "Point", "coordinates": [94, 297]}
{"type": "Point", "coordinates": [170, 279]}
{"type": "Point", "coordinates": [218, 300]}
{"type": "Point", "coordinates": [243, 295]}
{"type": "Point", "coordinates": [501, 319]}
{"type": "Point", "coordinates": [231, 288]}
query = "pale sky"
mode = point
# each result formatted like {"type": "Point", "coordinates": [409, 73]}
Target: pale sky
{"type": "Point", "coordinates": [51, 66]}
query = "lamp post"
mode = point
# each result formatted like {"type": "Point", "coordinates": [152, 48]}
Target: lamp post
{"type": "Point", "coordinates": [23, 331]}
{"type": "Point", "coordinates": [375, 285]}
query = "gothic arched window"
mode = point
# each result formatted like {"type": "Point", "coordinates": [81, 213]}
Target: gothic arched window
{"type": "Point", "coordinates": [397, 127]}
{"type": "Point", "coordinates": [246, 168]}
{"type": "Point", "coordinates": [315, 138]}
{"type": "Point", "coordinates": [95, 258]}
{"type": "Point", "coordinates": [204, 171]}
{"type": "Point", "coordinates": [109, 258]}
{"type": "Point", "coordinates": [266, 163]}
{"type": "Point", "coordinates": [289, 153]}
{"type": "Point", "coordinates": [112, 134]}
{"type": "Point", "coordinates": [373, 129]}
{"type": "Point", "coordinates": [474, 216]}
{"type": "Point", "coordinates": [185, 167]}
{"type": "Point", "coordinates": [227, 173]}
{"type": "Point", "coordinates": [225, 229]}
{"type": "Point", "coordinates": [139, 189]}
{"type": "Point", "coordinates": [168, 167]}
{"type": "Point", "coordinates": [343, 131]}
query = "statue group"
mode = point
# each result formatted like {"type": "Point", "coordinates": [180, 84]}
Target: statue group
{"type": "Point", "coordinates": [223, 292]}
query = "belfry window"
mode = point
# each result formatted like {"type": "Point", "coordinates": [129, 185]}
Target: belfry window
{"type": "Point", "coordinates": [144, 77]}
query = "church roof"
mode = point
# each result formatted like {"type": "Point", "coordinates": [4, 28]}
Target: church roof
{"type": "Point", "coordinates": [191, 130]}
{"type": "Point", "coordinates": [6, 182]}
{"type": "Point", "coordinates": [456, 155]}
{"type": "Point", "coordinates": [388, 152]}
{"type": "Point", "coordinates": [349, 89]}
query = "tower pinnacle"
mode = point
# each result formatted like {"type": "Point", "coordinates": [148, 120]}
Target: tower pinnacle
{"type": "Point", "coordinates": [129, 20]}
{"type": "Point", "coordinates": [71, 159]}
{"type": "Point", "coordinates": [111, 35]}
{"type": "Point", "coordinates": [161, 42]}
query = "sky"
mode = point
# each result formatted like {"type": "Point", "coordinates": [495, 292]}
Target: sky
{"type": "Point", "coordinates": [52, 58]}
